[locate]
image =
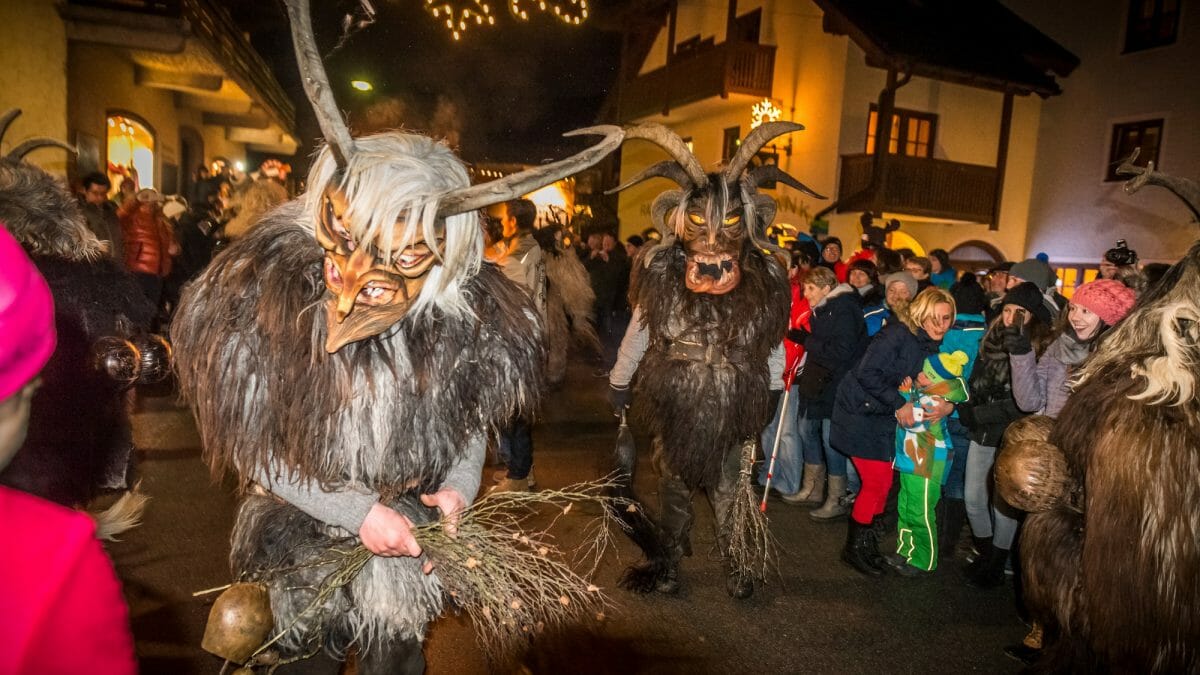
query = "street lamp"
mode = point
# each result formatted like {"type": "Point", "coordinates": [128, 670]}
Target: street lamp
{"type": "Point", "coordinates": [361, 85]}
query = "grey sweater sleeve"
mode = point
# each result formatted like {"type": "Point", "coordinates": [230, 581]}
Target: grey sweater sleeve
{"type": "Point", "coordinates": [633, 348]}
{"type": "Point", "coordinates": [348, 505]}
{"type": "Point", "coordinates": [1029, 391]}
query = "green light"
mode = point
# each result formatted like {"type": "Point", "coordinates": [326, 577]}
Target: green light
{"type": "Point", "coordinates": [361, 85]}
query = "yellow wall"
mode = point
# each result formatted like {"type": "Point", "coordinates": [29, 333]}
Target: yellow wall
{"type": "Point", "coordinates": [33, 77]}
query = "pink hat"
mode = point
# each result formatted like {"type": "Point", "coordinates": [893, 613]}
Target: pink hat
{"type": "Point", "coordinates": [1106, 298]}
{"type": "Point", "coordinates": [26, 318]}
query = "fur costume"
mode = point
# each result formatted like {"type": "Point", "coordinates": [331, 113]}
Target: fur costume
{"type": "Point", "coordinates": [711, 304]}
{"type": "Point", "coordinates": [353, 346]}
{"type": "Point", "coordinates": [79, 440]}
{"type": "Point", "coordinates": [569, 301]}
{"type": "Point", "coordinates": [1111, 551]}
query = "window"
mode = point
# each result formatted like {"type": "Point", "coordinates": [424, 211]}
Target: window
{"type": "Point", "coordinates": [1070, 278]}
{"type": "Point", "coordinates": [729, 145]}
{"type": "Point", "coordinates": [1130, 136]}
{"type": "Point", "coordinates": [913, 133]}
{"type": "Point", "coordinates": [746, 27]}
{"type": "Point", "coordinates": [130, 147]}
{"type": "Point", "coordinates": [1151, 23]}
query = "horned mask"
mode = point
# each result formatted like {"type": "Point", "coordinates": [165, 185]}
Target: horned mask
{"type": "Point", "coordinates": [715, 215]}
{"type": "Point", "coordinates": [396, 213]}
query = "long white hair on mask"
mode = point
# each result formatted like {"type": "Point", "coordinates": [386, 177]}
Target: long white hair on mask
{"type": "Point", "coordinates": [397, 178]}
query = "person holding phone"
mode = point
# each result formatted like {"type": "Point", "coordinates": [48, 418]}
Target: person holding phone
{"type": "Point", "coordinates": [1023, 319]}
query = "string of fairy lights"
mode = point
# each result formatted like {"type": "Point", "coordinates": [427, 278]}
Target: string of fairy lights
{"type": "Point", "coordinates": [459, 18]}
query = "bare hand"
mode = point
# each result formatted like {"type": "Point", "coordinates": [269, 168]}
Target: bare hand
{"type": "Point", "coordinates": [906, 383]}
{"type": "Point", "coordinates": [938, 411]}
{"type": "Point", "coordinates": [451, 504]}
{"type": "Point", "coordinates": [905, 416]}
{"type": "Point", "coordinates": [386, 532]}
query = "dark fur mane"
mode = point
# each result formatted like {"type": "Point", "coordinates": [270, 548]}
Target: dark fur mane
{"type": "Point", "coordinates": [702, 411]}
{"type": "Point", "coordinates": [393, 410]}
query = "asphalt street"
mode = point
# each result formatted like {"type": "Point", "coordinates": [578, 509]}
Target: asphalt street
{"type": "Point", "coordinates": [817, 616]}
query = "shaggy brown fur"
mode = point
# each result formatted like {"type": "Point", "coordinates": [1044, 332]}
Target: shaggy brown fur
{"type": "Point", "coordinates": [385, 411]}
{"type": "Point", "coordinates": [569, 300]}
{"type": "Point", "coordinates": [1118, 587]}
{"type": "Point", "coordinates": [703, 411]}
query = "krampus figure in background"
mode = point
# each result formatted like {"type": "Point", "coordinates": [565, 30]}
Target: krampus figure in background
{"type": "Point", "coordinates": [710, 308]}
{"type": "Point", "coordinates": [348, 358]}
{"type": "Point", "coordinates": [1111, 548]}
{"type": "Point", "coordinates": [569, 301]}
{"type": "Point", "coordinates": [79, 441]}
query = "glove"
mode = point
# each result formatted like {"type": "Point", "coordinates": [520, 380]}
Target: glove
{"type": "Point", "coordinates": [618, 398]}
{"type": "Point", "coordinates": [1016, 341]}
{"type": "Point", "coordinates": [797, 335]}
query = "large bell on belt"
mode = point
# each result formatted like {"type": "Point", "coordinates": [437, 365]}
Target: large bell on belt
{"type": "Point", "coordinates": [239, 623]}
{"type": "Point", "coordinates": [1032, 475]}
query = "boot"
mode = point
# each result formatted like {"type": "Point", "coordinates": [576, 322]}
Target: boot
{"type": "Point", "coordinates": [878, 531]}
{"type": "Point", "coordinates": [991, 573]}
{"type": "Point", "coordinates": [860, 549]}
{"type": "Point", "coordinates": [812, 490]}
{"type": "Point", "coordinates": [834, 507]}
{"type": "Point", "coordinates": [983, 550]}
{"type": "Point", "coordinates": [950, 522]}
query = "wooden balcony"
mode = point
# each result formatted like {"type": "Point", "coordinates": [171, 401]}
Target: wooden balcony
{"type": "Point", "coordinates": [705, 72]}
{"type": "Point", "coordinates": [918, 186]}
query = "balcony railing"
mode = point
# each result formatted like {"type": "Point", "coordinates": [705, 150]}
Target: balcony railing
{"type": "Point", "coordinates": [919, 186]}
{"type": "Point", "coordinates": [719, 70]}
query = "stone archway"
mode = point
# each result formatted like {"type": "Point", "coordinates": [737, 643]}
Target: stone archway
{"type": "Point", "coordinates": [975, 255]}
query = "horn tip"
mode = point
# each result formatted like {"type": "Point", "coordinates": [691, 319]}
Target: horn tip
{"type": "Point", "coordinates": [597, 130]}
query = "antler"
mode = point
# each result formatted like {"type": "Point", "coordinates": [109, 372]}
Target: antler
{"type": "Point", "coordinates": [671, 142]}
{"type": "Point", "coordinates": [18, 153]}
{"type": "Point", "coordinates": [510, 187]}
{"type": "Point", "coordinates": [1183, 188]}
{"type": "Point", "coordinates": [7, 120]}
{"type": "Point", "coordinates": [316, 83]}
{"type": "Point", "coordinates": [753, 143]}
{"type": "Point", "coordinates": [669, 169]}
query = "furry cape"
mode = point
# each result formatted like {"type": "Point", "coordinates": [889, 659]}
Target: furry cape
{"type": "Point", "coordinates": [1114, 572]}
{"type": "Point", "coordinates": [569, 301]}
{"type": "Point", "coordinates": [391, 413]}
{"type": "Point", "coordinates": [701, 410]}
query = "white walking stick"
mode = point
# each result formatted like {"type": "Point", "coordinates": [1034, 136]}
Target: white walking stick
{"type": "Point", "coordinates": [787, 392]}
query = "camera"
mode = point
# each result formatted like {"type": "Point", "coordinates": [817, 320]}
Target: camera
{"type": "Point", "coordinates": [1121, 255]}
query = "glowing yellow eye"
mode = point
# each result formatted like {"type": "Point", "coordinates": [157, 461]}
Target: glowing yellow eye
{"type": "Point", "coordinates": [733, 219]}
{"type": "Point", "coordinates": [696, 218]}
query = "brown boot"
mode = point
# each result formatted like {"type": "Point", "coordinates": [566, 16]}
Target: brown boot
{"type": "Point", "coordinates": [812, 489]}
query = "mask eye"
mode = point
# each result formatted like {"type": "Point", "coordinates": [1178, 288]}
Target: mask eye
{"type": "Point", "coordinates": [696, 218]}
{"type": "Point", "coordinates": [733, 219]}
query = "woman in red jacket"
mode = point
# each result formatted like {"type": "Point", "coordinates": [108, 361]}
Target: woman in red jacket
{"type": "Point", "coordinates": [149, 241]}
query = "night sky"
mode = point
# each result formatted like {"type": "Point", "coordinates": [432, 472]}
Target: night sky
{"type": "Point", "coordinates": [505, 93]}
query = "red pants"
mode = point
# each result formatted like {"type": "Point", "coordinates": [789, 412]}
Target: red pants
{"type": "Point", "coordinates": [876, 478]}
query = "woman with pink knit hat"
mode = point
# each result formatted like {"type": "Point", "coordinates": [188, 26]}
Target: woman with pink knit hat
{"type": "Point", "coordinates": [61, 609]}
{"type": "Point", "coordinates": [1041, 385]}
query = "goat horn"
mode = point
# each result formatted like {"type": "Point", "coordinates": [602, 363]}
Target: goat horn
{"type": "Point", "coordinates": [755, 142]}
{"type": "Point", "coordinates": [510, 187]}
{"type": "Point", "coordinates": [678, 150]}
{"type": "Point", "coordinates": [762, 174]}
{"type": "Point", "coordinates": [1186, 190]}
{"type": "Point", "coordinates": [665, 169]}
{"type": "Point", "coordinates": [7, 120]}
{"type": "Point", "coordinates": [18, 153]}
{"type": "Point", "coordinates": [316, 83]}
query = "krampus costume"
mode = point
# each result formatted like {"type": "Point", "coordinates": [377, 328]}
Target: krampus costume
{"type": "Point", "coordinates": [1111, 547]}
{"type": "Point", "coordinates": [79, 440]}
{"type": "Point", "coordinates": [569, 301]}
{"type": "Point", "coordinates": [711, 306]}
{"type": "Point", "coordinates": [352, 349]}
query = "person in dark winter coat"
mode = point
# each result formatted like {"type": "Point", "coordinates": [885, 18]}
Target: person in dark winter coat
{"type": "Point", "coordinates": [835, 344]}
{"type": "Point", "coordinates": [868, 405]}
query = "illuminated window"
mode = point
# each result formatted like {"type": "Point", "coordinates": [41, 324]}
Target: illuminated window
{"type": "Point", "coordinates": [1126, 138]}
{"type": "Point", "coordinates": [1151, 23]}
{"type": "Point", "coordinates": [913, 131]}
{"type": "Point", "coordinates": [130, 151]}
{"type": "Point", "coordinates": [1070, 278]}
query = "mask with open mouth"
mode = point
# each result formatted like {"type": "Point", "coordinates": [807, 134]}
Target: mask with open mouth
{"type": "Point", "coordinates": [367, 290]}
{"type": "Point", "coordinates": [713, 250]}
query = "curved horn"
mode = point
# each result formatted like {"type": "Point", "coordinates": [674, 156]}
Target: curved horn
{"type": "Point", "coordinates": [1186, 190]}
{"type": "Point", "coordinates": [753, 143]}
{"type": "Point", "coordinates": [671, 142]}
{"type": "Point", "coordinates": [316, 83]}
{"type": "Point", "coordinates": [510, 187]}
{"type": "Point", "coordinates": [669, 169]}
{"type": "Point", "coordinates": [18, 153]}
{"type": "Point", "coordinates": [7, 120]}
{"type": "Point", "coordinates": [762, 174]}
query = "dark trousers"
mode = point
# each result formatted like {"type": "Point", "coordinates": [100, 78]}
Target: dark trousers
{"type": "Point", "coordinates": [517, 438]}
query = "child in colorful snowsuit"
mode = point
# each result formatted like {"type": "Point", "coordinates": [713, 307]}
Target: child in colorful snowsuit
{"type": "Point", "coordinates": [923, 457]}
